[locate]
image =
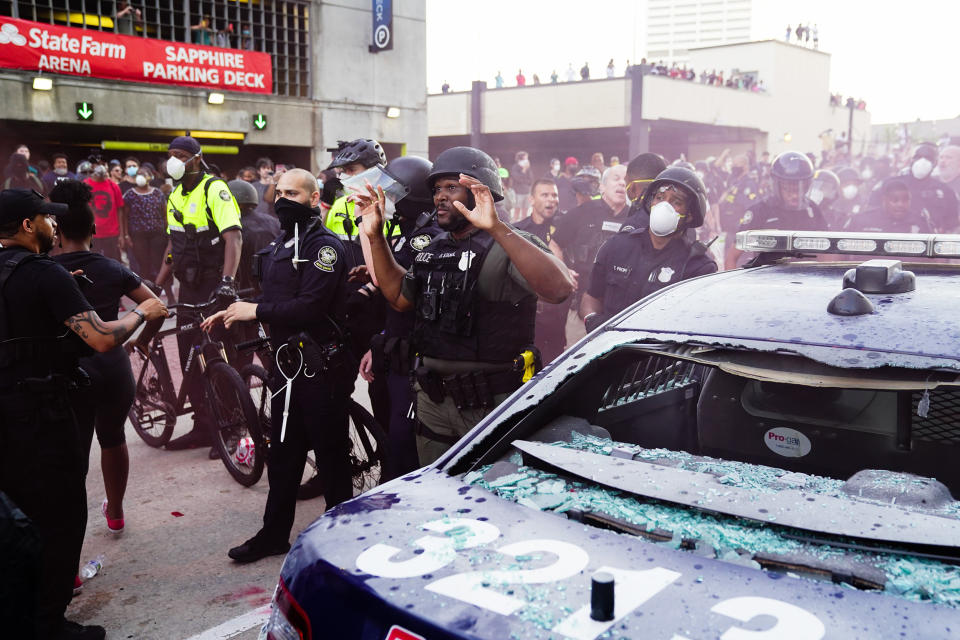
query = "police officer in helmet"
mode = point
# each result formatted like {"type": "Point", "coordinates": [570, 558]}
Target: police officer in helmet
{"type": "Point", "coordinates": [203, 252]}
{"type": "Point", "coordinates": [303, 278]}
{"type": "Point", "coordinates": [41, 460]}
{"type": "Point", "coordinates": [349, 159]}
{"type": "Point", "coordinates": [788, 206]}
{"type": "Point", "coordinates": [824, 192]}
{"type": "Point", "coordinates": [474, 292]}
{"type": "Point", "coordinates": [634, 264]}
{"type": "Point", "coordinates": [391, 351]}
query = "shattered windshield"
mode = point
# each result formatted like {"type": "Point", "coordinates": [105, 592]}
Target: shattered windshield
{"type": "Point", "coordinates": [851, 485]}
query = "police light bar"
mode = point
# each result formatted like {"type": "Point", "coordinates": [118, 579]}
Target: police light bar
{"type": "Point", "coordinates": [916, 245]}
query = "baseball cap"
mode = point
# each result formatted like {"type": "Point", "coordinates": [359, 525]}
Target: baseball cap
{"type": "Point", "coordinates": [185, 143]}
{"type": "Point", "coordinates": [19, 204]}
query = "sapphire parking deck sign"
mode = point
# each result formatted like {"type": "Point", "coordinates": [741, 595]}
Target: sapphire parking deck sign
{"type": "Point", "coordinates": [382, 25]}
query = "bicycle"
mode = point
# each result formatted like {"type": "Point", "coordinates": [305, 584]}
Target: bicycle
{"type": "Point", "coordinates": [369, 451]}
{"type": "Point", "coordinates": [156, 408]}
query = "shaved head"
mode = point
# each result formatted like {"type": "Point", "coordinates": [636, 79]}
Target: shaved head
{"type": "Point", "coordinates": [298, 185]}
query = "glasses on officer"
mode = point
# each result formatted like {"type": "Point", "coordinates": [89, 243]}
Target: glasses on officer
{"type": "Point", "coordinates": [635, 188]}
{"type": "Point", "coordinates": [674, 195]}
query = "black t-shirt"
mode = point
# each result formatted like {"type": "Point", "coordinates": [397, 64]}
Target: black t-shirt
{"type": "Point", "coordinates": [39, 297]}
{"type": "Point", "coordinates": [110, 279]}
{"type": "Point", "coordinates": [544, 230]}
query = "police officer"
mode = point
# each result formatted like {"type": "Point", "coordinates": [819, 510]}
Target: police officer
{"type": "Point", "coordinates": [743, 192]}
{"type": "Point", "coordinates": [851, 197]}
{"type": "Point", "coordinates": [926, 192]}
{"type": "Point", "coordinates": [895, 215]}
{"type": "Point", "coordinates": [634, 264]}
{"type": "Point", "coordinates": [203, 222]}
{"type": "Point", "coordinates": [542, 222]}
{"type": "Point", "coordinates": [41, 465]}
{"type": "Point", "coordinates": [474, 291]}
{"type": "Point", "coordinates": [824, 192]}
{"type": "Point", "coordinates": [391, 351]}
{"type": "Point", "coordinates": [259, 229]}
{"type": "Point", "coordinates": [641, 171]}
{"type": "Point", "coordinates": [304, 290]}
{"type": "Point", "coordinates": [788, 206]}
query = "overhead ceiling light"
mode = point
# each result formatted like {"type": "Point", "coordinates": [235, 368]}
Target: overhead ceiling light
{"type": "Point", "coordinates": [393, 112]}
{"type": "Point", "coordinates": [215, 98]}
{"type": "Point", "coordinates": [41, 83]}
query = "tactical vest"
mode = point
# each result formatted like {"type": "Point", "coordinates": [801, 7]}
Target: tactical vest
{"type": "Point", "coordinates": [28, 356]}
{"type": "Point", "coordinates": [196, 250]}
{"type": "Point", "coordinates": [453, 320]}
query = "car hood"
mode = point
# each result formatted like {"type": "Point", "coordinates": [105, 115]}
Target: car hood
{"type": "Point", "coordinates": [444, 559]}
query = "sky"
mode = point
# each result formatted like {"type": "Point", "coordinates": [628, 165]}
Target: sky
{"type": "Point", "coordinates": [895, 55]}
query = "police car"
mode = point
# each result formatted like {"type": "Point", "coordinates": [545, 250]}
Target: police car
{"type": "Point", "coordinates": [769, 452]}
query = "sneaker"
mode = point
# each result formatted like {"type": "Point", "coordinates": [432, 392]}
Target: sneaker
{"type": "Point", "coordinates": [311, 488]}
{"type": "Point", "coordinates": [213, 454]}
{"type": "Point", "coordinates": [257, 548]}
{"type": "Point", "coordinates": [115, 526]}
{"type": "Point", "coordinates": [196, 438]}
{"type": "Point", "coordinates": [73, 631]}
{"type": "Point", "coordinates": [77, 585]}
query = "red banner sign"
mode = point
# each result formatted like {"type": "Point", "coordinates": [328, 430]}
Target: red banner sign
{"type": "Point", "coordinates": [99, 54]}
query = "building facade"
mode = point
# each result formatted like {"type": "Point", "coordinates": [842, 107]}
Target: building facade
{"type": "Point", "coordinates": [674, 27]}
{"type": "Point", "coordinates": [248, 78]}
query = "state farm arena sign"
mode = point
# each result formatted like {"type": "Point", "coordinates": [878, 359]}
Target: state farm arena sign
{"type": "Point", "coordinates": [34, 46]}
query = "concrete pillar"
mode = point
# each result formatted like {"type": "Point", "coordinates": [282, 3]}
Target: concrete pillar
{"type": "Point", "coordinates": [639, 128]}
{"type": "Point", "coordinates": [476, 113]}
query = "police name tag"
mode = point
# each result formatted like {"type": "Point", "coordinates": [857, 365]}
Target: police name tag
{"type": "Point", "coordinates": [610, 225]}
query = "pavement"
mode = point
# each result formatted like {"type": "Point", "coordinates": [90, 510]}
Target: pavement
{"type": "Point", "coordinates": [168, 575]}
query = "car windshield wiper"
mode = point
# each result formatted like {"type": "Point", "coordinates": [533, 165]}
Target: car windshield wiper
{"type": "Point", "coordinates": [803, 510]}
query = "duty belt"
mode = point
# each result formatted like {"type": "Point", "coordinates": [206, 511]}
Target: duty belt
{"type": "Point", "coordinates": [472, 390]}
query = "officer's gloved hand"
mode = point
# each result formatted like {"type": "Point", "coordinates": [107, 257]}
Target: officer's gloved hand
{"type": "Point", "coordinates": [227, 289]}
{"type": "Point", "coordinates": [332, 189]}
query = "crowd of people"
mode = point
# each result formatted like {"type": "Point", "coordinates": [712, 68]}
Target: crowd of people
{"type": "Point", "coordinates": [804, 34]}
{"type": "Point", "coordinates": [443, 289]}
{"type": "Point", "coordinates": [837, 100]}
{"type": "Point", "coordinates": [734, 80]}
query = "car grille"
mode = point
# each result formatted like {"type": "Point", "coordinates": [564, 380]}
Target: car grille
{"type": "Point", "coordinates": [942, 423]}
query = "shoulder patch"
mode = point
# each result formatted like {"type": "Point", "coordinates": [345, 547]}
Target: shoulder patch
{"type": "Point", "coordinates": [225, 195]}
{"type": "Point", "coordinates": [326, 258]}
{"type": "Point", "coordinates": [420, 242]}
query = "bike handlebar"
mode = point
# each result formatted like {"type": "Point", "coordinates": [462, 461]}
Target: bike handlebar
{"type": "Point", "coordinates": [256, 343]}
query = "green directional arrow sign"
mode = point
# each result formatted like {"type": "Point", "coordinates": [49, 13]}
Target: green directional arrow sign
{"type": "Point", "coordinates": [259, 121]}
{"type": "Point", "coordinates": [84, 110]}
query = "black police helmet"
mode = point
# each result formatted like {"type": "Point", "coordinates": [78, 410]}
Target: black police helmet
{"type": "Point", "coordinates": [827, 183]}
{"type": "Point", "coordinates": [792, 165]}
{"type": "Point", "coordinates": [691, 184]}
{"type": "Point", "coordinates": [366, 151]}
{"type": "Point", "coordinates": [412, 172]}
{"type": "Point", "coordinates": [683, 164]}
{"type": "Point", "coordinates": [848, 174]}
{"type": "Point", "coordinates": [469, 161]}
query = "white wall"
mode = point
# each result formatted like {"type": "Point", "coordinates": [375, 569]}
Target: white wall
{"type": "Point", "coordinates": [570, 105]}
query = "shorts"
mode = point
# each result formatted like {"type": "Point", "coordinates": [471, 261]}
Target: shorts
{"type": "Point", "coordinates": [109, 397]}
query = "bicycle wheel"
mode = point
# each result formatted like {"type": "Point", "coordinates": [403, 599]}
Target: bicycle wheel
{"type": "Point", "coordinates": [368, 456]}
{"type": "Point", "coordinates": [238, 436]}
{"type": "Point", "coordinates": [152, 415]}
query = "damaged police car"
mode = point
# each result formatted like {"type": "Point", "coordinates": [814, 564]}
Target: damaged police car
{"type": "Point", "coordinates": [769, 452]}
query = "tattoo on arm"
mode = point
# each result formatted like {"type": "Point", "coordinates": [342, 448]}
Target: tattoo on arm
{"type": "Point", "coordinates": [88, 325]}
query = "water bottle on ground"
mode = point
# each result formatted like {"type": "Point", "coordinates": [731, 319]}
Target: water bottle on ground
{"type": "Point", "coordinates": [92, 568]}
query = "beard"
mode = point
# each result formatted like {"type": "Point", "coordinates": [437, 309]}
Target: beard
{"type": "Point", "coordinates": [455, 222]}
{"type": "Point", "coordinates": [46, 242]}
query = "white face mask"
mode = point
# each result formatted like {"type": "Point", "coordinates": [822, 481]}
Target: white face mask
{"type": "Point", "coordinates": [141, 181]}
{"type": "Point", "coordinates": [815, 194]}
{"type": "Point", "coordinates": [664, 219]}
{"type": "Point", "coordinates": [867, 173]}
{"type": "Point", "coordinates": [850, 191]}
{"type": "Point", "coordinates": [176, 167]}
{"type": "Point", "coordinates": [921, 168]}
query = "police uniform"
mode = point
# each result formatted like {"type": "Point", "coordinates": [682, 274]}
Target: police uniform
{"type": "Point", "coordinates": [738, 199]}
{"type": "Point", "coordinates": [629, 268]}
{"type": "Point", "coordinates": [41, 462]}
{"type": "Point", "coordinates": [195, 221]}
{"type": "Point", "coordinates": [474, 314]}
{"type": "Point", "coordinates": [929, 194]}
{"type": "Point", "coordinates": [582, 231]}
{"type": "Point", "coordinates": [392, 350]}
{"type": "Point", "coordinates": [305, 298]}
{"type": "Point", "coordinates": [879, 221]}
{"type": "Point", "coordinates": [551, 318]}
{"type": "Point", "coordinates": [769, 214]}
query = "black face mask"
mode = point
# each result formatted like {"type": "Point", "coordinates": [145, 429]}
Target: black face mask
{"type": "Point", "coordinates": [291, 213]}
